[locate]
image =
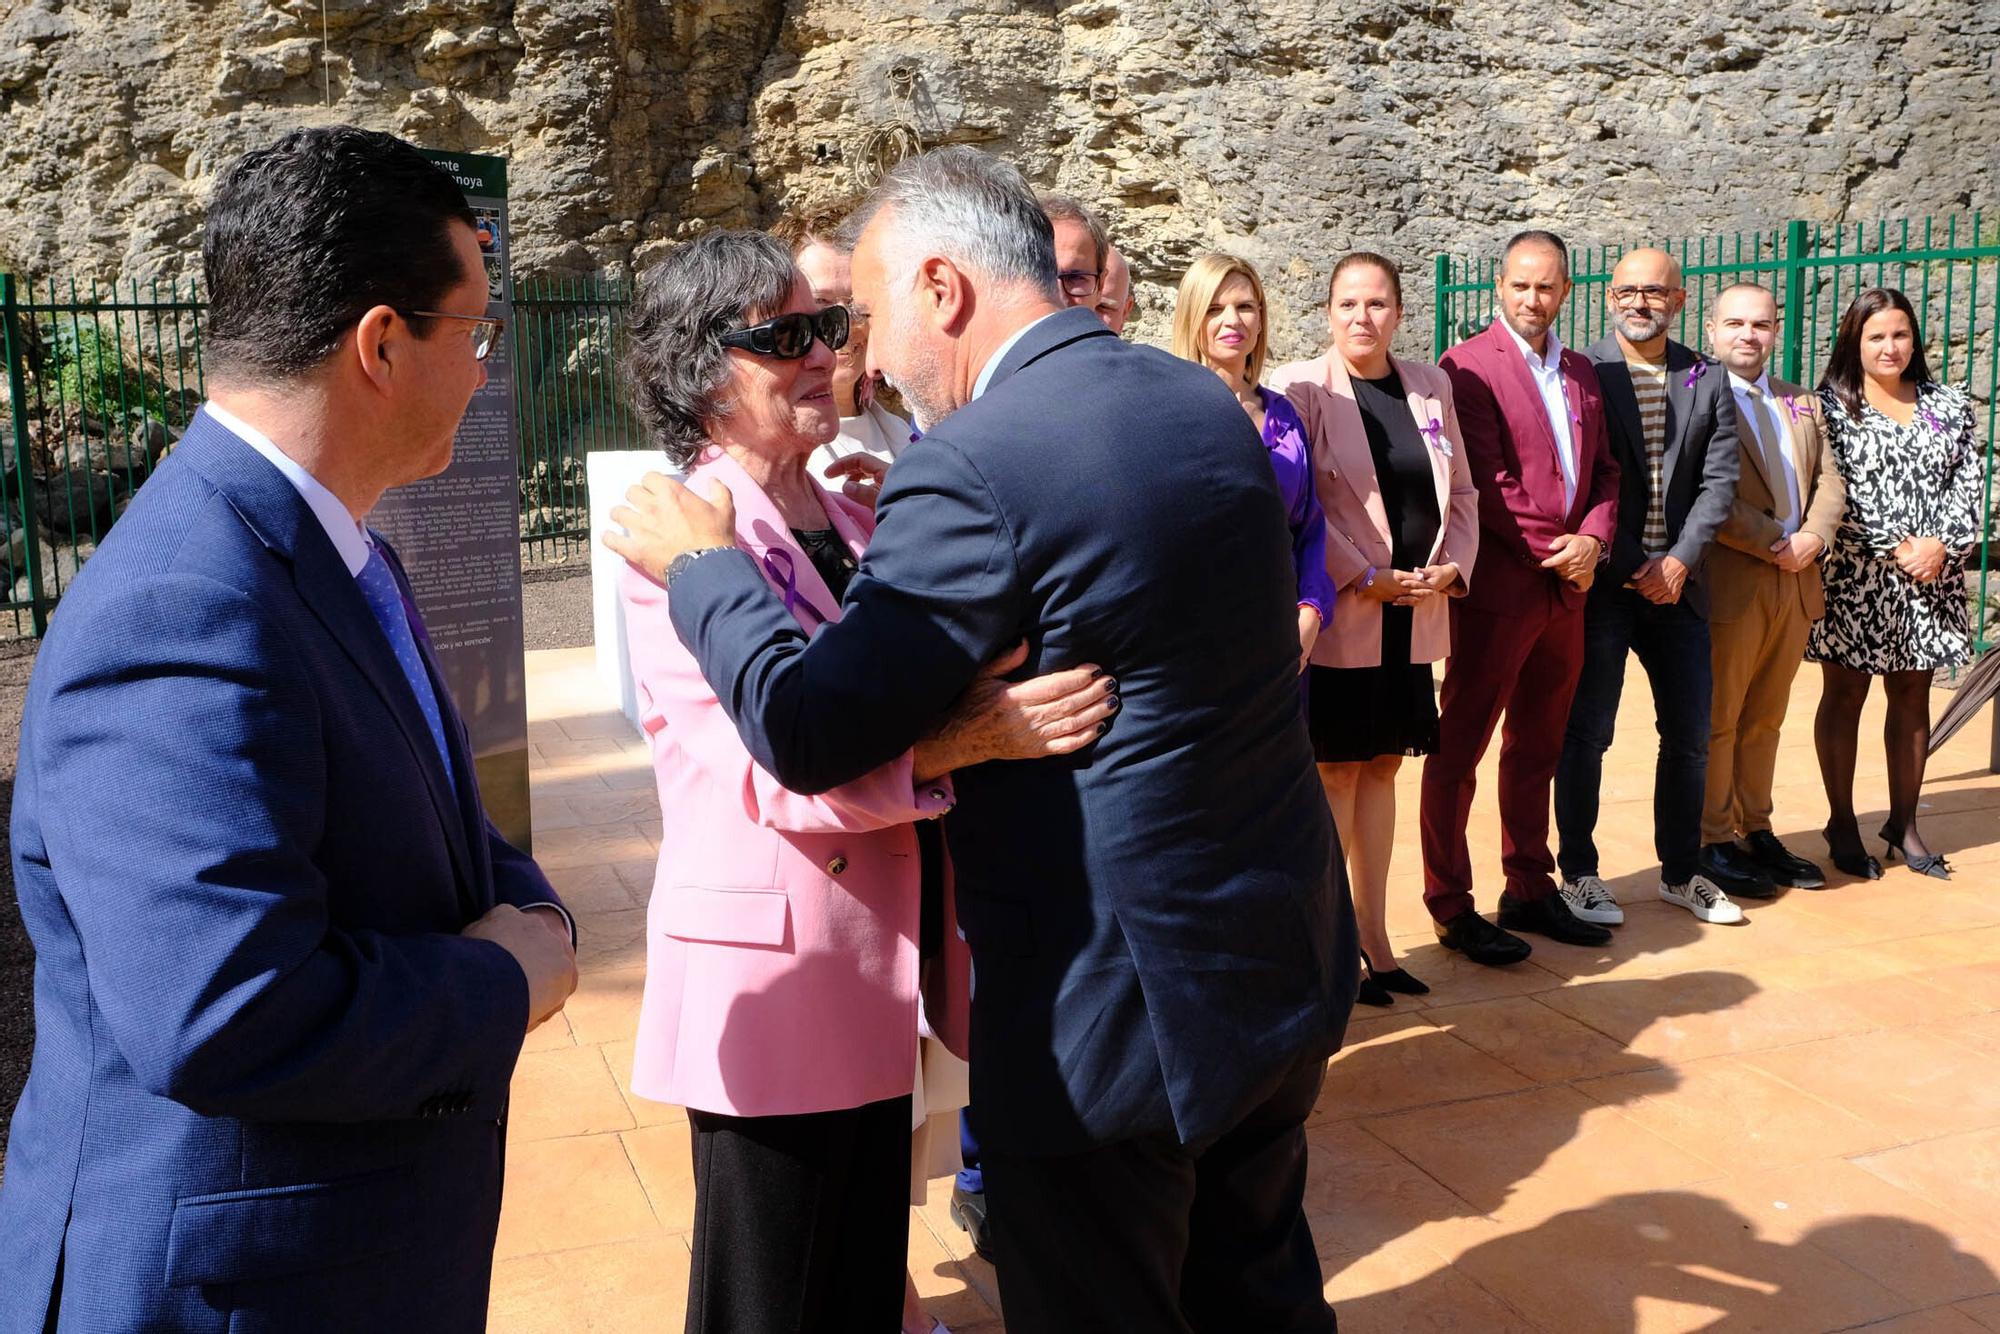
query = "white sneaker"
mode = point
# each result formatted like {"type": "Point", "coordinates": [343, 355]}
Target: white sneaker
{"type": "Point", "coordinates": [1700, 897]}
{"type": "Point", "coordinates": [1590, 901]}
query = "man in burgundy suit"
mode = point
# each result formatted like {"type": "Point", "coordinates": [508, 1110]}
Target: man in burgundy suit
{"type": "Point", "coordinates": [1534, 427]}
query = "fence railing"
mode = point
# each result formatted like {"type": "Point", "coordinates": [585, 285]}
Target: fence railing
{"type": "Point", "coordinates": [102, 379]}
{"type": "Point", "coordinates": [1949, 268]}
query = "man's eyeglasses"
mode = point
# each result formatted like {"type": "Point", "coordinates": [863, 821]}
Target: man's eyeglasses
{"type": "Point", "coordinates": [485, 332]}
{"type": "Point", "coordinates": [1651, 295]}
{"type": "Point", "coordinates": [1078, 284]}
{"type": "Point", "coordinates": [789, 337]}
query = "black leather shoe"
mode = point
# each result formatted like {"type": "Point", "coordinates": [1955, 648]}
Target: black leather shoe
{"type": "Point", "coordinates": [1781, 864]}
{"type": "Point", "coordinates": [968, 1210]}
{"type": "Point", "coordinates": [1735, 872]}
{"type": "Point", "coordinates": [1849, 857]}
{"type": "Point", "coordinates": [1551, 917]}
{"type": "Point", "coordinates": [1482, 942]}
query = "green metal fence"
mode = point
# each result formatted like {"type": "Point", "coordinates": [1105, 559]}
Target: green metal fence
{"type": "Point", "coordinates": [1949, 268]}
{"type": "Point", "coordinates": [101, 380]}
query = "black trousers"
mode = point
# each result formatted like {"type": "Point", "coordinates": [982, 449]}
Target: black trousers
{"type": "Point", "coordinates": [1150, 1236]}
{"type": "Point", "coordinates": [801, 1223]}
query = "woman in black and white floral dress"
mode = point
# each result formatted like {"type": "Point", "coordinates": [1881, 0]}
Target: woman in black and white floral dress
{"type": "Point", "coordinates": [1895, 585]}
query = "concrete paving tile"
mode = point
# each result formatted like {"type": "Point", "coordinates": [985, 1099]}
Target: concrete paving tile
{"type": "Point", "coordinates": [1980, 1032]}
{"type": "Point", "coordinates": [550, 1035]}
{"type": "Point", "coordinates": [1909, 1082]}
{"type": "Point", "coordinates": [1513, 1156]}
{"type": "Point", "coordinates": [1687, 1259]}
{"type": "Point", "coordinates": [563, 784]}
{"type": "Point", "coordinates": [1688, 1016]}
{"type": "Point", "coordinates": [1456, 980]}
{"type": "Point", "coordinates": [591, 726]}
{"type": "Point", "coordinates": [1735, 1115]}
{"type": "Point", "coordinates": [546, 813]}
{"type": "Point", "coordinates": [605, 1005]}
{"type": "Point", "coordinates": [1937, 1320]}
{"type": "Point", "coordinates": [564, 1194]}
{"type": "Point", "coordinates": [1984, 1312]}
{"type": "Point", "coordinates": [645, 1112]}
{"type": "Point", "coordinates": [1541, 1043]}
{"type": "Point", "coordinates": [663, 1156]}
{"type": "Point", "coordinates": [628, 1287]}
{"type": "Point", "coordinates": [589, 890]}
{"type": "Point", "coordinates": [636, 805]}
{"type": "Point", "coordinates": [608, 941]}
{"type": "Point", "coordinates": [942, 1284]}
{"type": "Point", "coordinates": [1362, 1195]}
{"type": "Point", "coordinates": [562, 1092]}
{"type": "Point", "coordinates": [1915, 1248]}
{"type": "Point", "coordinates": [1406, 1288]}
{"type": "Point", "coordinates": [1959, 1172]}
{"type": "Point", "coordinates": [1401, 1061]}
{"type": "Point", "coordinates": [586, 845]}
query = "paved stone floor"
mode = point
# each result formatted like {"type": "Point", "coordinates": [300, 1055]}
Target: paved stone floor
{"type": "Point", "coordinates": [1789, 1125]}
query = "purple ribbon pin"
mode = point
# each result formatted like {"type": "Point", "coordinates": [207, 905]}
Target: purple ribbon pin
{"type": "Point", "coordinates": [1433, 431]}
{"type": "Point", "coordinates": [784, 569]}
{"type": "Point", "coordinates": [1792, 402]}
{"type": "Point", "coordinates": [1695, 373]}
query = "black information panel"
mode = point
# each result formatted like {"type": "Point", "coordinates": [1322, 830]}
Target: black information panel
{"type": "Point", "coordinates": [459, 535]}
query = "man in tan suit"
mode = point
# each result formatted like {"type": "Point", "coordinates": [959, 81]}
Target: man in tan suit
{"type": "Point", "coordinates": [1764, 591]}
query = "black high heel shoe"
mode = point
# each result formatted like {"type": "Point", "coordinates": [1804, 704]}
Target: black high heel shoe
{"type": "Point", "coordinates": [1853, 860]}
{"type": "Point", "coordinates": [1931, 864]}
{"type": "Point", "coordinates": [1396, 979]}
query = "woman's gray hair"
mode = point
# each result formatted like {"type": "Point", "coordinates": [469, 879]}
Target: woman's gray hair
{"type": "Point", "coordinates": [677, 368]}
{"type": "Point", "coordinates": [970, 207]}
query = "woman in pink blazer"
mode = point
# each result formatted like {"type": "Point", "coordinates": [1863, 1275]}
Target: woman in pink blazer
{"type": "Point", "coordinates": [1402, 523]}
{"type": "Point", "coordinates": [787, 934]}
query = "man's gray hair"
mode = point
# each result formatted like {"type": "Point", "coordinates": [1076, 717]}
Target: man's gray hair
{"type": "Point", "coordinates": [677, 369]}
{"type": "Point", "coordinates": [970, 207]}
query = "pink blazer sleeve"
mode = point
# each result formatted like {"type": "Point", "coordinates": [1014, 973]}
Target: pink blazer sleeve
{"type": "Point", "coordinates": [675, 698]}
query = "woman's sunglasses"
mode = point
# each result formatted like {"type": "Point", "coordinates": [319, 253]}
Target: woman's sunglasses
{"type": "Point", "coordinates": [790, 337]}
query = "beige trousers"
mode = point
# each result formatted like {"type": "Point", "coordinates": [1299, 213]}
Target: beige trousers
{"type": "Point", "coordinates": [1754, 659]}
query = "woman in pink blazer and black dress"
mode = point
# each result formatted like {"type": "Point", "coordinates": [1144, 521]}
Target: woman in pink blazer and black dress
{"type": "Point", "coordinates": [789, 937]}
{"type": "Point", "coordinates": [1402, 522]}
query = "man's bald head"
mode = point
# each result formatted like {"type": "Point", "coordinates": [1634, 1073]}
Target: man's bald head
{"type": "Point", "coordinates": [1644, 297]}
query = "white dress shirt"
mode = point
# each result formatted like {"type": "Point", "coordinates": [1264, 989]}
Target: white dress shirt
{"type": "Point", "coordinates": [1546, 371]}
{"type": "Point", "coordinates": [1773, 426]}
{"type": "Point", "coordinates": [876, 432]}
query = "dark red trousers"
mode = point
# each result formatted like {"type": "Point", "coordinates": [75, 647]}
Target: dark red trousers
{"type": "Point", "coordinates": [1522, 663]}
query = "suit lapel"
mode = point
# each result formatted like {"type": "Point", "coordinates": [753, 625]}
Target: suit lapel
{"type": "Point", "coordinates": [1614, 382]}
{"type": "Point", "coordinates": [273, 510]}
{"type": "Point", "coordinates": [1345, 455]}
{"type": "Point", "coordinates": [763, 532]}
{"type": "Point", "coordinates": [464, 798]}
{"type": "Point", "coordinates": [1802, 429]}
{"type": "Point", "coordinates": [1682, 386]}
{"type": "Point", "coordinates": [1546, 481]}
{"type": "Point", "coordinates": [1428, 411]}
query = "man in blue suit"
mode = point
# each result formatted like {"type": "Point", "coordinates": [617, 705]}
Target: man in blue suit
{"type": "Point", "coordinates": [1162, 944]}
{"type": "Point", "coordinates": [283, 969]}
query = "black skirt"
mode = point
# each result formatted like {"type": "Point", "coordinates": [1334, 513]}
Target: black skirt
{"type": "Point", "coordinates": [1362, 713]}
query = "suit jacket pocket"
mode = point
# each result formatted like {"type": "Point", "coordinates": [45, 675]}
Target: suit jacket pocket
{"type": "Point", "coordinates": [242, 1236]}
{"type": "Point", "coordinates": [724, 916]}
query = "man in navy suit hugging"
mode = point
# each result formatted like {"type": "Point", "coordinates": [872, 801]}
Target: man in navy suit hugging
{"type": "Point", "coordinates": [1163, 947]}
{"type": "Point", "coordinates": [284, 965]}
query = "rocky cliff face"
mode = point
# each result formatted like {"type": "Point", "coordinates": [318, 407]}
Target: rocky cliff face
{"type": "Point", "coordinates": [1290, 130]}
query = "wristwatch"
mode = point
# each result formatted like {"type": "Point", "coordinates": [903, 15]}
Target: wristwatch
{"type": "Point", "coordinates": [678, 565]}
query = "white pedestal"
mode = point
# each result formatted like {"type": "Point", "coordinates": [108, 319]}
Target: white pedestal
{"type": "Point", "coordinates": [609, 473]}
